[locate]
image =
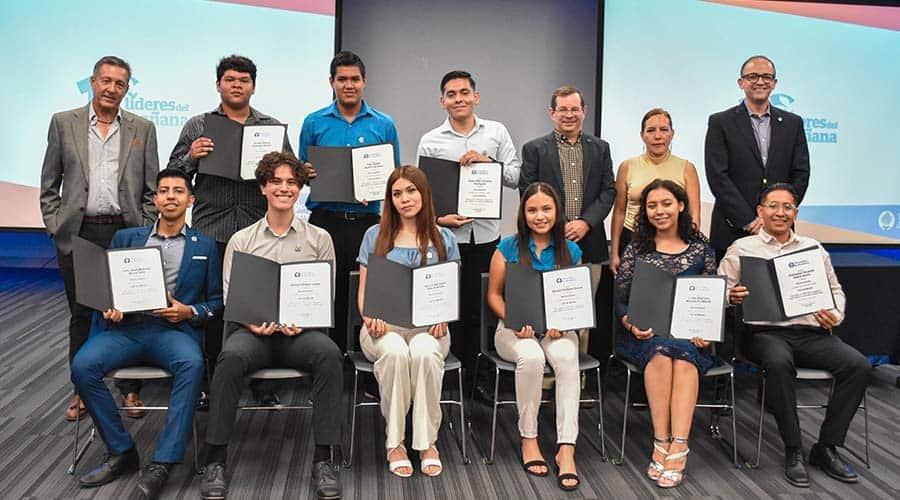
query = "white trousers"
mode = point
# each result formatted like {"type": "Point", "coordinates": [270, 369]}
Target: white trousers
{"type": "Point", "coordinates": [529, 355]}
{"type": "Point", "coordinates": [409, 367]}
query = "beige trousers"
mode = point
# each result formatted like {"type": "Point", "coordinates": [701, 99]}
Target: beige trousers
{"type": "Point", "coordinates": [409, 367]}
{"type": "Point", "coordinates": [529, 355]}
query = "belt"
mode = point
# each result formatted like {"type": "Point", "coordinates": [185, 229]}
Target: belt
{"type": "Point", "coordinates": [103, 219]}
{"type": "Point", "coordinates": [350, 215]}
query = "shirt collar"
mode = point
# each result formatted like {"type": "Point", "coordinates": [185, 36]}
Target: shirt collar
{"type": "Point", "coordinates": [92, 114]}
{"type": "Point", "coordinates": [446, 128]}
{"type": "Point", "coordinates": [154, 233]}
{"type": "Point", "coordinates": [334, 111]}
{"type": "Point", "coordinates": [768, 239]}
{"type": "Point", "coordinates": [295, 225]}
{"type": "Point", "coordinates": [532, 247]}
{"type": "Point", "coordinates": [562, 139]}
{"type": "Point", "coordinates": [767, 113]}
{"type": "Point", "coordinates": [253, 113]}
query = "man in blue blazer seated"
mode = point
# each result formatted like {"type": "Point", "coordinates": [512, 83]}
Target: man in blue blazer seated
{"type": "Point", "coordinates": [169, 338]}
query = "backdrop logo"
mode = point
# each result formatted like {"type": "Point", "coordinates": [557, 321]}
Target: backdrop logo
{"type": "Point", "coordinates": [886, 220]}
{"type": "Point", "coordinates": [162, 112]}
{"type": "Point", "coordinates": [782, 101]}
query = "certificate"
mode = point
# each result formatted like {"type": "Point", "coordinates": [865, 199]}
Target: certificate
{"type": "Point", "coordinates": [350, 175]}
{"type": "Point", "coordinates": [474, 191]}
{"type": "Point", "coordinates": [237, 148]}
{"type": "Point", "coordinates": [372, 165]}
{"type": "Point", "coordinates": [127, 279]}
{"type": "Point", "coordinates": [411, 297]}
{"type": "Point", "coordinates": [297, 293]}
{"type": "Point", "coordinates": [561, 299]}
{"type": "Point", "coordinates": [568, 298]}
{"type": "Point", "coordinates": [790, 285]}
{"type": "Point", "coordinates": [681, 307]}
{"type": "Point", "coordinates": [258, 141]}
{"type": "Point", "coordinates": [698, 308]}
{"type": "Point", "coordinates": [480, 191]}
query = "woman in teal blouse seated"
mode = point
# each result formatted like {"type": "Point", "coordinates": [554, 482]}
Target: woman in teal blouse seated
{"type": "Point", "coordinates": [540, 242]}
{"type": "Point", "coordinates": [409, 362]}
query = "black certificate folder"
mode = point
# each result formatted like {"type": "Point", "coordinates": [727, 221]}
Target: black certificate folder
{"type": "Point", "coordinates": [561, 298]}
{"type": "Point", "coordinates": [263, 291]}
{"type": "Point", "coordinates": [801, 288]}
{"type": "Point", "coordinates": [228, 147]}
{"type": "Point", "coordinates": [139, 284]}
{"type": "Point", "coordinates": [446, 183]}
{"type": "Point", "coordinates": [340, 171]}
{"type": "Point", "coordinates": [408, 297]}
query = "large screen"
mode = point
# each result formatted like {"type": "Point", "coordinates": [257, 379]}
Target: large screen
{"type": "Point", "coordinates": [837, 68]}
{"type": "Point", "coordinates": [173, 47]}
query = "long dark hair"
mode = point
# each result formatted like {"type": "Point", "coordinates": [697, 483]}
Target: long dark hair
{"type": "Point", "coordinates": [645, 232]}
{"type": "Point", "coordinates": [426, 230]}
{"type": "Point", "coordinates": [557, 232]}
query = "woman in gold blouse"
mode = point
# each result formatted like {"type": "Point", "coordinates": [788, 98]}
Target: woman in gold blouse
{"type": "Point", "coordinates": [657, 162]}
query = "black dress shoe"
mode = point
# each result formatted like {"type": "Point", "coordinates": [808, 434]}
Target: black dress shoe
{"type": "Point", "coordinates": [328, 481]}
{"type": "Point", "coordinates": [214, 486]}
{"type": "Point", "coordinates": [828, 459]}
{"type": "Point", "coordinates": [113, 466]}
{"type": "Point", "coordinates": [153, 480]}
{"type": "Point", "coordinates": [794, 470]}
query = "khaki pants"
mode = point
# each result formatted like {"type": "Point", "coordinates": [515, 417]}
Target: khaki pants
{"type": "Point", "coordinates": [409, 367]}
{"type": "Point", "coordinates": [529, 355]}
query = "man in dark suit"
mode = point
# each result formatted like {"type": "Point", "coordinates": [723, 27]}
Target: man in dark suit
{"type": "Point", "coordinates": [748, 147]}
{"type": "Point", "coordinates": [98, 176]}
{"type": "Point", "coordinates": [169, 338]}
{"type": "Point", "coordinates": [579, 167]}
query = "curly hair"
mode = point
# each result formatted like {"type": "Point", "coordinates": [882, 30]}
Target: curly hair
{"type": "Point", "coordinates": [645, 232]}
{"type": "Point", "coordinates": [265, 170]}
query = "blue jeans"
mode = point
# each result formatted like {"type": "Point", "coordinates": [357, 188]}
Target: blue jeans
{"type": "Point", "coordinates": [153, 342]}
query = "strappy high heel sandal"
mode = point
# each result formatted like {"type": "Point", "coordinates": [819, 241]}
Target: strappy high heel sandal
{"type": "Point", "coordinates": [394, 465]}
{"type": "Point", "coordinates": [670, 478]}
{"type": "Point", "coordinates": [655, 469]}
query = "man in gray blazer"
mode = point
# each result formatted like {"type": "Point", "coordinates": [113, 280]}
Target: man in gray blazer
{"type": "Point", "coordinates": [98, 176]}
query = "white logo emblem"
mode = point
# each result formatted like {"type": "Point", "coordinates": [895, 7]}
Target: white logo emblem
{"type": "Point", "coordinates": [886, 220]}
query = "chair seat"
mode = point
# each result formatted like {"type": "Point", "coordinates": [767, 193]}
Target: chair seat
{"type": "Point", "coordinates": [277, 374]}
{"type": "Point", "coordinates": [361, 363]}
{"type": "Point", "coordinates": [585, 362]}
{"type": "Point", "coordinates": [139, 373]}
{"type": "Point", "coordinates": [813, 374]}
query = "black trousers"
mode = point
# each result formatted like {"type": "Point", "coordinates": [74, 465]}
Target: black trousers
{"type": "Point", "coordinates": [779, 350]}
{"type": "Point", "coordinates": [80, 316]}
{"type": "Point", "coordinates": [347, 231]}
{"type": "Point", "coordinates": [212, 333]}
{"type": "Point", "coordinates": [311, 351]}
{"type": "Point", "coordinates": [475, 259]}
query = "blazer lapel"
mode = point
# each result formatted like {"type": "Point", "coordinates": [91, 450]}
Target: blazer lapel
{"type": "Point", "coordinates": [80, 133]}
{"type": "Point", "coordinates": [190, 248]}
{"type": "Point", "coordinates": [552, 152]}
{"type": "Point", "coordinates": [587, 159]}
{"type": "Point", "coordinates": [742, 120]}
{"type": "Point", "coordinates": [126, 132]}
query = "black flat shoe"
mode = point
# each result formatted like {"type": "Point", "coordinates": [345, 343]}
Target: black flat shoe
{"type": "Point", "coordinates": [113, 467]}
{"type": "Point", "coordinates": [153, 480]}
{"type": "Point", "coordinates": [327, 478]}
{"type": "Point", "coordinates": [830, 461]}
{"type": "Point", "coordinates": [536, 463]}
{"type": "Point", "coordinates": [794, 470]}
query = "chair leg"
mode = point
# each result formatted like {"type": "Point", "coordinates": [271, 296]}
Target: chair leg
{"type": "Point", "coordinates": [625, 416]}
{"type": "Point", "coordinates": [490, 459]}
{"type": "Point", "coordinates": [866, 427]}
{"type": "Point", "coordinates": [198, 469]}
{"type": "Point", "coordinates": [348, 462]}
{"type": "Point", "coordinates": [475, 377]}
{"type": "Point", "coordinates": [762, 413]}
{"type": "Point", "coordinates": [462, 417]}
{"type": "Point", "coordinates": [600, 411]}
{"type": "Point", "coordinates": [734, 442]}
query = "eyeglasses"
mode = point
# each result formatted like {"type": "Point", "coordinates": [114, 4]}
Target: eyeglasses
{"type": "Point", "coordinates": [755, 77]}
{"type": "Point", "coordinates": [565, 111]}
{"type": "Point", "coordinates": [774, 205]}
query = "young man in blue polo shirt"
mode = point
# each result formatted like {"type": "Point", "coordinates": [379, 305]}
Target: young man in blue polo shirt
{"type": "Point", "coordinates": [348, 121]}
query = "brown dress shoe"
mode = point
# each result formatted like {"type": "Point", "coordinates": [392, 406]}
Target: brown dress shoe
{"type": "Point", "coordinates": [132, 403]}
{"type": "Point", "coordinates": [75, 410]}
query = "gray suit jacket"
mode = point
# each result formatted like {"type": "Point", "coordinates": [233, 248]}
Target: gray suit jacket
{"type": "Point", "coordinates": [64, 175]}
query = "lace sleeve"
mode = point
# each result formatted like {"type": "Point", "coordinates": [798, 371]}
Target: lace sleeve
{"type": "Point", "coordinates": [624, 277]}
{"type": "Point", "coordinates": [709, 260]}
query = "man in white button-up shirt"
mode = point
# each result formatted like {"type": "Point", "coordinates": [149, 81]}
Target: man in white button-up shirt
{"type": "Point", "coordinates": [468, 139]}
{"type": "Point", "coordinates": [806, 341]}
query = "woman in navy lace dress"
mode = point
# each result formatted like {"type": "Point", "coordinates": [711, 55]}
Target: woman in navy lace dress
{"type": "Point", "coordinates": [665, 237]}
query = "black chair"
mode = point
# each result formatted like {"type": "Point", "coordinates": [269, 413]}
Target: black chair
{"type": "Point", "coordinates": [361, 364]}
{"type": "Point", "coordinates": [722, 370]}
{"type": "Point", "coordinates": [488, 326]}
{"type": "Point", "coordinates": [131, 373]}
